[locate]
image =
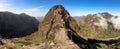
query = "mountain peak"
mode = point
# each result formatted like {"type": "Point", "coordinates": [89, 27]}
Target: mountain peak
{"type": "Point", "coordinates": [58, 16]}
{"type": "Point", "coordinates": [58, 7]}
{"type": "Point", "coordinates": [57, 25]}
{"type": "Point", "coordinates": [57, 10]}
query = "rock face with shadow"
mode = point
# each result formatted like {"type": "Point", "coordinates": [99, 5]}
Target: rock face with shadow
{"type": "Point", "coordinates": [14, 25]}
{"type": "Point", "coordinates": [56, 26]}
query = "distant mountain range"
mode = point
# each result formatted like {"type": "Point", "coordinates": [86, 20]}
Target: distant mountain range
{"type": "Point", "coordinates": [40, 18]}
{"type": "Point", "coordinates": [100, 23]}
{"type": "Point", "coordinates": [101, 19]}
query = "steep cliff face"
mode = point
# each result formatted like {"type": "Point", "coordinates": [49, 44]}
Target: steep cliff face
{"type": "Point", "coordinates": [57, 18]}
{"type": "Point", "coordinates": [59, 26]}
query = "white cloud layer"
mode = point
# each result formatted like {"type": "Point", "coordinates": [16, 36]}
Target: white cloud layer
{"type": "Point", "coordinates": [34, 11]}
{"type": "Point", "coordinates": [102, 22]}
{"type": "Point", "coordinates": [4, 5]}
{"type": "Point", "coordinates": [115, 22]}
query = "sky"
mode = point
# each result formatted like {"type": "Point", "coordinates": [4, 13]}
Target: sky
{"type": "Point", "coordinates": [39, 8]}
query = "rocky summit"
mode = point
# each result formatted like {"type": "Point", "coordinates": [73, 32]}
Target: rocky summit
{"type": "Point", "coordinates": [59, 27]}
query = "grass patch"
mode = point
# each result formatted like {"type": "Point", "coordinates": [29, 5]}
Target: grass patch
{"type": "Point", "coordinates": [24, 43]}
{"type": "Point", "coordinates": [103, 46]}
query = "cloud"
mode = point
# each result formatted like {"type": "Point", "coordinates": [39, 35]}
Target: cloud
{"type": "Point", "coordinates": [115, 22]}
{"type": "Point", "coordinates": [102, 22]}
{"type": "Point", "coordinates": [34, 11]}
{"type": "Point", "coordinates": [4, 3]}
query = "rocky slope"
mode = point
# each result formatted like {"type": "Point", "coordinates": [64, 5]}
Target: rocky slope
{"type": "Point", "coordinates": [14, 25]}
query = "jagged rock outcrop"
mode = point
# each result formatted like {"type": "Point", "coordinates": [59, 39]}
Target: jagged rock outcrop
{"type": "Point", "coordinates": [58, 17]}
{"type": "Point", "coordinates": [17, 25]}
{"type": "Point", "coordinates": [59, 26]}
